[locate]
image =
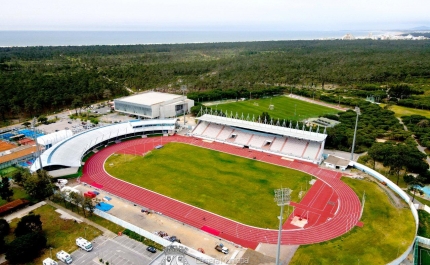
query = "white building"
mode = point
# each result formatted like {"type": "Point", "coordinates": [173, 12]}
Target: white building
{"type": "Point", "coordinates": [154, 105]}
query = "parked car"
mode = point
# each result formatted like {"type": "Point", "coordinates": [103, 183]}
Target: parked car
{"type": "Point", "coordinates": [151, 249]}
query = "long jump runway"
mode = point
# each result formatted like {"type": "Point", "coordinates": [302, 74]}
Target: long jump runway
{"type": "Point", "coordinates": [331, 207]}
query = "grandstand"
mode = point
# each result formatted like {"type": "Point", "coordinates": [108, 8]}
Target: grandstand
{"type": "Point", "coordinates": [66, 155]}
{"type": "Point", "coordinates": [280, 140]}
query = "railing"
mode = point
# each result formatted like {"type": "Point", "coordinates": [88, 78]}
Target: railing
{"type": "Point", "coordinates": [403, 195]}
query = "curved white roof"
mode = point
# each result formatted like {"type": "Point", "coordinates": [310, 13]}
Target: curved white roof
{"type": "Point", "coordinates": [54, 138]}
{"type": "Point", "coordinates": [273, 129]}
{"type": "Point", "coordinates": [69, 152]}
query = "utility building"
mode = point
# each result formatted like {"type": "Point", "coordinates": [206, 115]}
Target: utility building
{"type": "Point", "coordinates": [154, 105]}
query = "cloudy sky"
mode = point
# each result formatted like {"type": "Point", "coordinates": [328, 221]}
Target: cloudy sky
{"type": "Point", "coordinates": [243, 15]}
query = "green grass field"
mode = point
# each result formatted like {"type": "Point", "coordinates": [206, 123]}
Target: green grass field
{"type": "Point", "coordinates": [424, 256]}
{"type": "Point", "coordinates": [8, 170]}
{"type": "Point", "coordinates": [387, 231]}
{"type": "Point", "coordinates": [284, 108]}
{"type": "Point", "coordinates": [61, 233]}
{"type": "Point", "coordinates": [234, 187]}
{"type": "Point", "coordinates": [400, 111]}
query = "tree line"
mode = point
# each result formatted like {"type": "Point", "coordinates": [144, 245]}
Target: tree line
{"type": "Point", "coordinates": [35, 80]}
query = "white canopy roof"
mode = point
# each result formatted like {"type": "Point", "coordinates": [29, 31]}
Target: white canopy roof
{"type": "Point", "coordinates": [54, 138]}
{"type": "Point", "coordinates": [267, 128]}
{"type": "Point", "coordinates": [69, 152]}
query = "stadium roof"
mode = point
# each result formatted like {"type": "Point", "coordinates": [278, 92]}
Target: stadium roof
{"type": "Point", "coordinates": [149, 98]}
{"type": "Point", "coordinates": [267, 128]}
{"type": "Point", "coordinates": [54, 137]}
{"type": "Point", "coordinates": [68, 152]}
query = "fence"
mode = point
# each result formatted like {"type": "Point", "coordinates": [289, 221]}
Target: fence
{"type": "Point", "coordinates": [133, 228]}
{"type": "Point", "coordinates": [403, 195]}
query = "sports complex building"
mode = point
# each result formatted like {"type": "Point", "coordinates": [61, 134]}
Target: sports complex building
{"type": "Point", "coordinates": [153, 105]}
{"type": "Point", "coordinates": [329, 209]}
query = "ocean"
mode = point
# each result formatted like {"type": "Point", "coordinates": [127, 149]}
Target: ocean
{"type": "Point", "coordinates": [78, 38]}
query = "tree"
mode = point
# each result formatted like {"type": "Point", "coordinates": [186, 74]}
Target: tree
{"type": "Point", "coordinates": [415, 183]}
{"type": "Point", "coordinates": [89, 205]}
{"type": "Point", "coordinates": [38, 185]}
{"type": "Point", "coordinates": [4, 228]}
{"type": "Point", "coordinates": [28, 224]}
{"type": "Point", "coordinates": [6, 192]}
{"type": "Point", "coordinates": [42, 119]}
{"type": "Point", "coordinates": [25, 248]}
{"type": "Point", "coordinates": [26, 124]}
{"type": "Point", "coordinates": [265, 117]}
{"type": "Point", "coordinates": [19, 175]}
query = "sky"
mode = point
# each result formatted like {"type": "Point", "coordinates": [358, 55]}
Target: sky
{"type": "Point", "coordinates": [220, 15]}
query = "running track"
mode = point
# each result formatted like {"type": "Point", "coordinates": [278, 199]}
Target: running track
{"type": "Point", "coordinates": [332, 207]}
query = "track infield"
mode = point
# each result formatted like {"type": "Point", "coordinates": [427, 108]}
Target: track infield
{"type": "Point", "coordinates": [342, 217]}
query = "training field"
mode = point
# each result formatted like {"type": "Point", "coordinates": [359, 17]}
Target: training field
{"type": "Point", "coordinates": [284, 108]}
{"type": "Point", "coordinates": [423, 256]}
{"type": "Point", "coordinates": [235, 187]}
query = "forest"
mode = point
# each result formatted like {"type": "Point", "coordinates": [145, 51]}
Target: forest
{"type": "Point", "coordinates": [38, 80]}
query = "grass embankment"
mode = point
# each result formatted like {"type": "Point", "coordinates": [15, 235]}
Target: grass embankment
{"type": "Point", "coordinates": [386, 233]}
{"type": "Point", "coordinates": [60, 233]}
{"type": "Point", "coordinates": [284, 108]}
{"type": "Point", "coordinates": [235, 187]}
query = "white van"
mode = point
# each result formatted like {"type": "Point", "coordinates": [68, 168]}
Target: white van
{"type": "Point", "coordinates": [49, 261]}
{"type": "Point", "coordinates": [64, 257]}
{"type": "Point", "coordinates": [84, 244]}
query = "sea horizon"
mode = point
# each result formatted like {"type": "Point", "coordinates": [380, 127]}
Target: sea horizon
{"type": "Point", "coordinates": [22, 38]}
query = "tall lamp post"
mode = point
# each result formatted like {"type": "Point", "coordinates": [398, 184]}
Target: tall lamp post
{"type": "Point", "coordinates": [357, 110]}
{"type": "Point", "coordinates": [282, 198]}
{"type": "Point", "coordinates": [183, 88]}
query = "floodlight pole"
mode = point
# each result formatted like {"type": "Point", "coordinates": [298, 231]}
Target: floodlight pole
{"type": "Point", "coordinates": [37, 144]}
{"type": "Point", "coordinates": [282, 197]}
{"type": "Point", "coordinates": [357, 109]}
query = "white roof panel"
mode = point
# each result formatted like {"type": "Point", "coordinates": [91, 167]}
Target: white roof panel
{"type": "Point", "coordinates": [267, 128]}
{"type": "Point", "coordinates": [69, 151]}
{"type": "Point", "coordinates": [149, 98]}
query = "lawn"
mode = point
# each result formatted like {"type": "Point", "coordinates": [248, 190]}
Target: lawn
{"type": "Point", "coordinates": [387, 231]}
{"type": "Point", "coordinates": [18, 193]}
{"type": "Point", "coordinates": [231, 186]}
{"type": "Point", "coordinates": [284, 108]}
{"type": "Point", "coordinates": [400, 111]}
{"type": "Point", "coordinates": [60, 233]}
{"type": "Point", "coordinates": [8, 170]}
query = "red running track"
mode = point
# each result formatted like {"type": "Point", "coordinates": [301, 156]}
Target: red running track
{"type": "Point", "coordinates": [340, 215]}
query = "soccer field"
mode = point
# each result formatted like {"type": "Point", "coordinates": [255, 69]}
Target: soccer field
{"type": "Point", "coordinates": [237, 188]}
{"type": "Point", "coordinates": [284, 108]}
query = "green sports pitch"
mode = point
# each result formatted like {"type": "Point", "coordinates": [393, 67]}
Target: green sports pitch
{"type": "Point", "coordinates": [283, 108]}
{"type": "Point", "coordinates": [238, 188]}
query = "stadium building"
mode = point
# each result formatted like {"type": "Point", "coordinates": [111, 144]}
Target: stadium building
{"type": "Point", "coordinates": [64, 157]}
{"type": "Point", "coordinates": [275, 138]}
{"type": "Point", "coordinates": [154, 105]}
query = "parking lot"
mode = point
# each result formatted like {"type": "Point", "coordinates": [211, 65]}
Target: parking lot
{"type": "Point", "coordinates": [120, 250]}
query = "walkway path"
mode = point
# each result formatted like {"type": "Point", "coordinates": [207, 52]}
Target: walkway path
{"type": "Point", "coordinates": [345, 216]}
